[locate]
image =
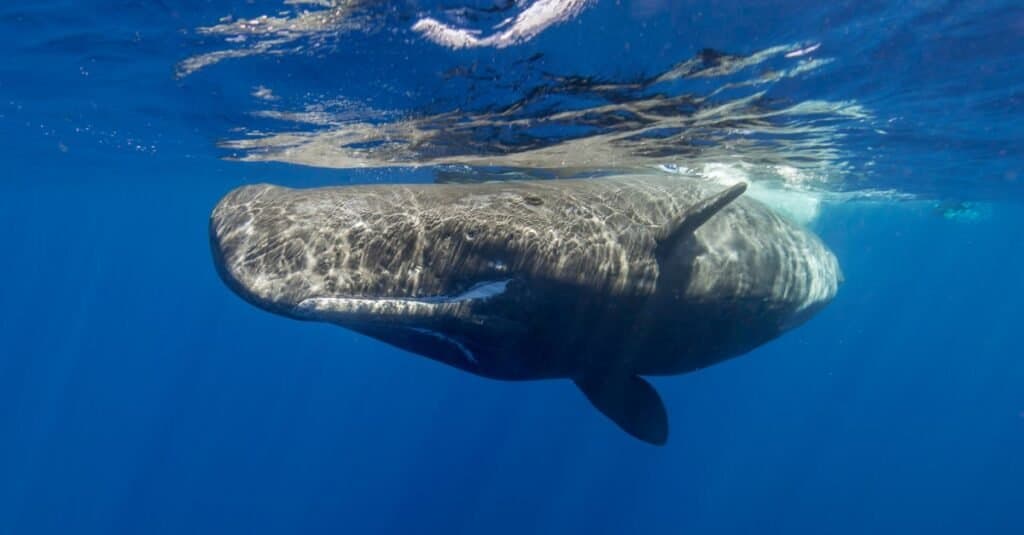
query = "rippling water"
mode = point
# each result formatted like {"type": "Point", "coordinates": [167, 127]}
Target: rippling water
{"type": "Point", "coordinates": [895, 100]}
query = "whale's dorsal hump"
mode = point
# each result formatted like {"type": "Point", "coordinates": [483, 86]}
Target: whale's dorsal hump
{"type": "Point", "coordinates": [629, 401]}
{"type": "Point", "coordinates": [685, 223]}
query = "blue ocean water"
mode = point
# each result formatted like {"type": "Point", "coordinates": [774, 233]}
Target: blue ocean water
{"type": "Point", "coordinates": [139, 395]}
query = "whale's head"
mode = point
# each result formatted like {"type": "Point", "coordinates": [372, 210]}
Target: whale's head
{"type": "Point", "coordinates": [364, 258]}
{"type": "Point", "coordinates": [291, 250]}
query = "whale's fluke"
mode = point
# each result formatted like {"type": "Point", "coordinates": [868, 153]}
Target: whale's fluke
{"type": "Point", "coordinates": [631, 402]}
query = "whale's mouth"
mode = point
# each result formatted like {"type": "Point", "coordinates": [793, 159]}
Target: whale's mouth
{"type": "Point", "coordinates": [399, 310]}
{"type": "Point", "coordinates": [443, 326]}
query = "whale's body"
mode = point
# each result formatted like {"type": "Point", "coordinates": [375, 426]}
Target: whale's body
{"type": "Point", "coordinates": [596, 280]}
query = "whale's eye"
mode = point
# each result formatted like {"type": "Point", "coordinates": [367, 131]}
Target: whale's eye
{"type": "Point", "coordinates": [533, 200]}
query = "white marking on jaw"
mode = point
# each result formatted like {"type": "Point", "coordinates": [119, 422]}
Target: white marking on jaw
{"type": "Point", "coordinates": [484, 290]}
{"type": "Point", "coordinates": [465, 350]}
{"type": "Point", "coordinates": [478, 292]}
{"type": "Point", "coordinates": [409, 305]}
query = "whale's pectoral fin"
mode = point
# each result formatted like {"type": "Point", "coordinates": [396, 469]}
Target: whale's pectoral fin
{"type": "Point", "coordinates": [681, 226]}
{"type": "Point", "coordinates": [631, 402]}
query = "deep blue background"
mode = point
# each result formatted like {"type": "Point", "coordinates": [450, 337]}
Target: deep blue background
{"type": "Point", "coordinates": [138, 395]}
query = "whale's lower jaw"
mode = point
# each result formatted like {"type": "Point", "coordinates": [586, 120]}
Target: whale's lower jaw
{"type": "Point", "coordinates": [402, 311]}
{"type": "Point", "coordinates": [334, 308]}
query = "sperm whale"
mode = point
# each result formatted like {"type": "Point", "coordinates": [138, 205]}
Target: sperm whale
{"type": "Point", "coordinates": [600, 281]}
